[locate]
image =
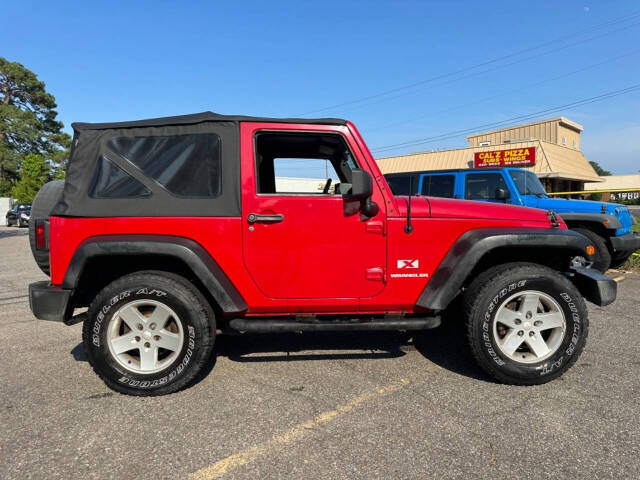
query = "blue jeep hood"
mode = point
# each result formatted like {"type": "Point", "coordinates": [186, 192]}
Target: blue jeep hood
{"type": "Point", "coordinates": [560, 205]}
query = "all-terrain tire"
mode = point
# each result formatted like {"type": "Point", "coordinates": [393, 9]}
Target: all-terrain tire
{"type": "Point", "coordinates": [620, 258]}
{"type": "Point", "coordinates": [602, 257]}
{"type": "Point", "coordinates": [41, 208]}
{"type": "Point", "coordinates": [489, 295]}
{"type": "Point", "coordinates": [189, 309]}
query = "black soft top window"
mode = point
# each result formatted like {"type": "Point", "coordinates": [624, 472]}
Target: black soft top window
{"type": "Point", "coordinates": [111, 181]}
{"type": "Point", "coordinates": [186, 165]}
{"type": "Point", "coordinates": [159, 170]}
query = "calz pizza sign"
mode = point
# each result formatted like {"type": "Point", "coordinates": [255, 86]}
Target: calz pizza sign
{"type": "Point", "coordinates": [516, 157]}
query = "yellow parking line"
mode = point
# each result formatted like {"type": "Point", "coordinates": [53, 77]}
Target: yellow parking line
{"type": "Point", "coordinates": [232, 462]}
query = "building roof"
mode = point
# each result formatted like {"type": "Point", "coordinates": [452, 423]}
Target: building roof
{"type": "Point", "coordinates": [552, 161]}
{"type": "Point", "coordinates": [562, 120]}
{"type": "Point", "coordinates": [616, 182]}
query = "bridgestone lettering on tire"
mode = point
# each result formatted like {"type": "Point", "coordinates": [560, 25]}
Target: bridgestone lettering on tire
{"type": "Point", "coordinates": [149, 333]}
{"type": "Point", "coordinates": [526, 324]}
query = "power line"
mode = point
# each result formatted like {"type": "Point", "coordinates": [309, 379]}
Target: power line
{"type": "Point", "coordinates": [493, 69]}
{"type": "Point", "coordinates": [614, 21]}
{"type": "Point", "coordinates": [529, 116]}
{"type": "Point", "coordinates": [502, 93]}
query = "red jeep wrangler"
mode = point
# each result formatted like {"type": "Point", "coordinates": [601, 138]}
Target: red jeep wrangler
{"type": "Point", "coordinates": [169, 229]}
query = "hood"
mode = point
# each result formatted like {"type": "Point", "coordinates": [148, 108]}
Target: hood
{"type": "Point", "coordinates": [560, 205]}
{"type": "Point", "coordinates": [451, 208]}
{"type": "Point", "coordinates": [419, 206]}
{"type": "Point", "coordinates": [445, 207]}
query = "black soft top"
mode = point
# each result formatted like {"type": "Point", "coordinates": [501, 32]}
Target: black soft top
{"type": "Point", "coordinates": [188, 165]}
{"type": "Point", "coordinates": [202, 117]}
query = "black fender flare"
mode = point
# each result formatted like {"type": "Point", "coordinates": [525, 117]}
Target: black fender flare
{"type": "Point", "coordinates": [185, 249]}
{"type": "Point", "coordinates": [606, 221]}
{"type": "Point", "coordinates": [471, 246]}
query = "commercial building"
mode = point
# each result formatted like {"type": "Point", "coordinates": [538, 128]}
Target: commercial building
{"type": "Point", "coordinates": [550, 148]}
{"type": "Point", "coordinates": [617, 188]}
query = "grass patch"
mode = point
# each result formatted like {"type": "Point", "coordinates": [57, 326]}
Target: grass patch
{"type": "Point", "coordinates": [634, 262]}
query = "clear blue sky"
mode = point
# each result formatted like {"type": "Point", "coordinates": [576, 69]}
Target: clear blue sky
{"type": "Point", "coordinates": [107, 61]}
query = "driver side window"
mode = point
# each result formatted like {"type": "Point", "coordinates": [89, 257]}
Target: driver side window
{"type": "Point", "coordinates": [304, 175]}
{"type": "Point", "coordinates": [292, 163]}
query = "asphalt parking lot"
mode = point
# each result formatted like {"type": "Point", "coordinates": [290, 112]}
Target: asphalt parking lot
{"type": "Point", "coordinates": [315, 406]}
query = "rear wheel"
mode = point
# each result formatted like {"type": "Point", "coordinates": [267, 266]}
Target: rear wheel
{"type": "Point", "coordinates": [149, 333]}
{"type": "Point", "coordinates": [602, 256]}
{"type": "Point", "coordinates": [526, 323]}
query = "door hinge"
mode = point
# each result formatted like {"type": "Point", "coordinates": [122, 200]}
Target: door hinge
{"type": "Point", "coordinates": [376, 274]}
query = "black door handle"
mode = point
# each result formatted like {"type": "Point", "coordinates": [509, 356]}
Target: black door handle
{"type": "Point", "coordinates": [255, 218]}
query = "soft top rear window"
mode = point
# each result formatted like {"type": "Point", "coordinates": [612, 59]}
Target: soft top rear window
{"type": "Point", "coordinates": [110, 181]}
{"type": "Point", "coordinates": [186, 165]}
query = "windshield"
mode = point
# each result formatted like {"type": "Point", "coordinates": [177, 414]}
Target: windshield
{"type": "Point", "coordinates": [527, 183]}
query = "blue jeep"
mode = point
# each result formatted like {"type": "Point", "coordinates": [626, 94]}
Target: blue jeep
{"type": "Point", "coordinates": [607, 225]}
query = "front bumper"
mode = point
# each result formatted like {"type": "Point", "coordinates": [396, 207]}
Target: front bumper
{"type": "Point", "coordinates": [594, 286]}
{"type": "Point", "coordinates": [626, 243]}
{"type": "Point", "coordinates": [49, 302]}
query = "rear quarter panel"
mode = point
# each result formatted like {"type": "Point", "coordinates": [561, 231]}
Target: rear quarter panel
{"type": "Point", "coordinates": [219, 236]}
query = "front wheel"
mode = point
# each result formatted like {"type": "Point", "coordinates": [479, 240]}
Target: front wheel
{"type": "Point", "coordinates": [149, 333]}
{"type": "Point", "coordinates": [526, 323]}
{"type": "Point", "coordinates": [620, 258]}
{"type": "Point", "coordinates": [602, 256]}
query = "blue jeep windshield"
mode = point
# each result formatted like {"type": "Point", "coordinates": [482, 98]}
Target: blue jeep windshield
{"type": "Point", "coordinates": [527, 183]}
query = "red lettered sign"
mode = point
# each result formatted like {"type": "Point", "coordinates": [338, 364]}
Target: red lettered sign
{"type": "Point", "coordinates": [505, 158]}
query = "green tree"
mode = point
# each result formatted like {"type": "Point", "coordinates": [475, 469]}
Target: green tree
{"type": "Point", "coordinates": [34, 172]}
{"type": "Point", "coordinates": [599, 170]}
{"type": "Point", "coordinates": [28, 123]}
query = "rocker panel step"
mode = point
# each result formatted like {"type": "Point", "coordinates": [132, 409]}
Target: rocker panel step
{"type": "Point", "coordinates": [270, 325]}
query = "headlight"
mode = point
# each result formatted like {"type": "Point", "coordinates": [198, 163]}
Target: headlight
{"type": "Point", "coordinates": [24, 216]}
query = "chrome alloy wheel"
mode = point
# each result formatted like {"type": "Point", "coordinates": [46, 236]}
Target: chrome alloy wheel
{"type": "Point", "coordinates": [145, 336]}
{"type": "Point", "coordinates": [529, 326]}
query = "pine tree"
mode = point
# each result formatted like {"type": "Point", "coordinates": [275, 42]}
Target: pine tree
{"type": "Point", "coordinates": [28, 123]}
{"type": "Point", "coordinates": [34, 172]}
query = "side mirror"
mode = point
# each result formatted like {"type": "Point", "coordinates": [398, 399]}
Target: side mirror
{"type": "Point", "coordinates": [502, 194]}
{"type": "Point", "coordinates": [361, 184]}
{"type": "Point", "coordinates": [362, 189]}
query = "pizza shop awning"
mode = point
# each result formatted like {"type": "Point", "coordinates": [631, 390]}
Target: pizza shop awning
{"type": "Point", "coordinates": [550, 160]}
